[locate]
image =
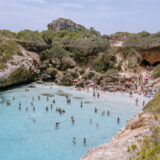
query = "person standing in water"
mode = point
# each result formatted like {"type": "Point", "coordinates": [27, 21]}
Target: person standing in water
{"type": "Point", "coordinates": [98, 95]}
{"type": "Point", "coordinates": [81, 104]}
{"type": "Point", "coordinates": [143, 102]}
{"type": "Point", "coordinates": [136, 101]}
{"type": "Point", "coordinates": [84, 140]}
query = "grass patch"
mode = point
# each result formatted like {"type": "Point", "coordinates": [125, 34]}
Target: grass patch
{"type": "Point", "coordinates": [7, 50]}
{"type": "Point", "coordinates": [3, 66]}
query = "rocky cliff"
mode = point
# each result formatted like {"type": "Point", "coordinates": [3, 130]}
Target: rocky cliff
{"type": "Point", "coordinates": [20, 68]}
{"type": "Point", "coordinates": [65, 24]}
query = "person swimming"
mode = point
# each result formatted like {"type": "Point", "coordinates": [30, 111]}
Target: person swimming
{"type": "Point", "coordinates": [33, 99]}
{"type": "Point", "coordinates": [95, 110]}
{"type": "Point", "coordinates": [97, 125]}
{"type": "Point", "coordinates": [39, 98]}
{"type": "Point", "coordinates": [47, 98]}
{"type": "Point", "coordinates": [68, 101]}
{"type": "Point", "coordinates": [84, 140]}
{"type": "Point", "coordinates": [34, 108]}
{"type": "Point", "coordinates": [90, 121]}
{"type": "Point", "coordinates": [74, 140]}
{"type": "Point", "coordinates": [54, 101]}
{"type": "Point", "coordinates": [8, 103]}
{"type": "Point", "coordinates": [13, 98]}
{"type": "Point", "coordinates": [57, 124]}
{"type": "Point", "coordinates": [103, 113]}
{"type": "Point", "coordinates": [108, 113]}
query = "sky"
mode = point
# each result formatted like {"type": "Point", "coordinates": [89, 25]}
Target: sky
{"type": "Point", "coordinates": [106, 16]}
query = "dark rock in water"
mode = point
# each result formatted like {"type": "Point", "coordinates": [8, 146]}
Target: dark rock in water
{"type": "Point", "coordinates": [87, 102]}
{"type": "Point", "coordinates": [65, 24]}
{"type": "Point", "coordinates": [78, 97]}
{"type": "Point", "coordinates": [61, 93]}
{"type": "Point", "coordinates": [47, 95]}
{"type": "Point", "coordinates": [32, 86]}
{"type": "Point", "coordinates": [40, 82]}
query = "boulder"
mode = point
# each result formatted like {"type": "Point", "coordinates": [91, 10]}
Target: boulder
{"type": "Point", "coordinates": [65, 24]}
{"type": "Point", "coordinates": [67, 62]}
{"type": "Point", "coordinates": [73, 73]}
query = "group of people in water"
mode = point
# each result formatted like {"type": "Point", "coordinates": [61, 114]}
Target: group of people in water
{"type": "Point", "coordinates": [74, 140]}
{"type": "Point", "coordinates": [62, 111]}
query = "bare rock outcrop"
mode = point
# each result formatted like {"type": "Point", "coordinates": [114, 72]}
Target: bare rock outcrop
{"type": "Point", "coordinates": [20, 69]}
{"type": "Point", "coordinates": [65, 24]}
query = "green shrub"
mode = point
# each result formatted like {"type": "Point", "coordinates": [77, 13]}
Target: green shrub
{"type": "Point", "coordinates": [33, 36]}
{"type": "Point", "coordinates": [8, 49]}
{"type": "Point", "coordinates": [156, 71]}
{"type": "Point", "coordinates": [48, 36]}
{"type": "Point", "coordinates": [3, 66]}
{"type": "Point", "coordinates": [133, 146]}
{"type": "Point", "coordinates": [8, 34]}
{"type": "Point", "coordinates": [128, 149]}
{"type": "Point", "coordinates": [105, 62]}
{"type": "Point", "coordinates": [131, 64]}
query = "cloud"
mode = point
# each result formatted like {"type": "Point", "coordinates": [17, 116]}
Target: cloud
{"type": "Point", "coordinates": [35, 1]}
{"type": "Point", "coordinates": [71, 5]}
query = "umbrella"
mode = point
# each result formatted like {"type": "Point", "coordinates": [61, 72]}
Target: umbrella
{"type": "Point", "coordinates": [146, 78]}
{"type": "Point", "coordinates": [92, 84]}
{"type": "Point", "coordinates": [75, 80]}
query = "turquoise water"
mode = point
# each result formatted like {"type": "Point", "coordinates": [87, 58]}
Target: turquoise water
{"type": "Point", "coordinates": [21, 138]}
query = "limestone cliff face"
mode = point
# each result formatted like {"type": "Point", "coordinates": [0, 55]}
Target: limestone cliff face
{"type": "Point", "coordinates": [65, 24]}
{"type": "Point", "coordinates": [150, 54]}
{"type": "Point", "coordinates": [20, 69]}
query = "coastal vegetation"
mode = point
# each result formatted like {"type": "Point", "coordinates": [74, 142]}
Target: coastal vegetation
{"type": "Point", "coordinates": [156, 71]}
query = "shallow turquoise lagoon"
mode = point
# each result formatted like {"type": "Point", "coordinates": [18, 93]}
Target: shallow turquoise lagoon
{"type": "Point", "coordinates": [23, 139]}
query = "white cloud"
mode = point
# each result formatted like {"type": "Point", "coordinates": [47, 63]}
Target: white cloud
{"type": "Point", "coordinates": [36, 1]}
{"type": "Point", "coordinates": [71, 5]}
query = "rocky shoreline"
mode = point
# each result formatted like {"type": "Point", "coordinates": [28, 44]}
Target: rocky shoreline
{"type": "Point", "coordinates": [117, 149]}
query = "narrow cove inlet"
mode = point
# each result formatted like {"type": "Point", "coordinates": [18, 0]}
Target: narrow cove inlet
{"type": "Point", "coordinates": [28, 124]}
